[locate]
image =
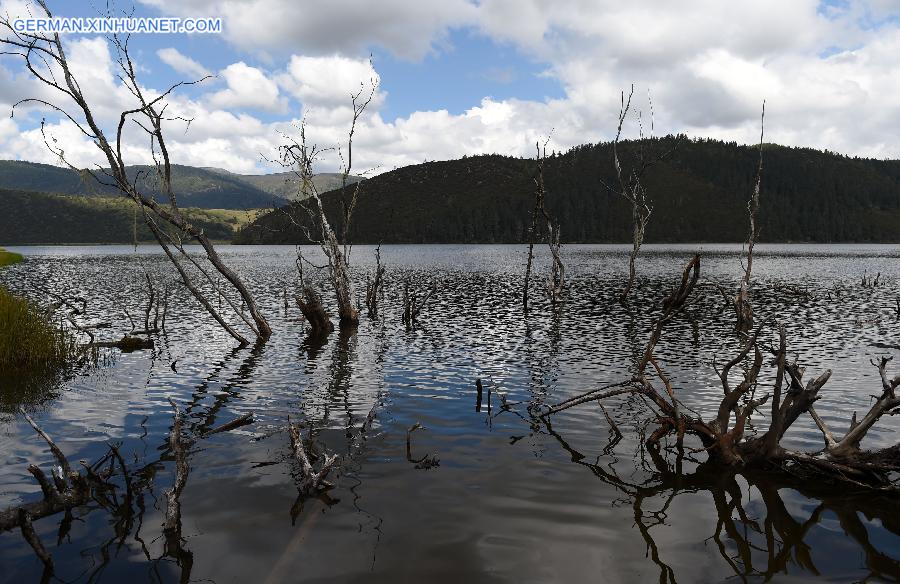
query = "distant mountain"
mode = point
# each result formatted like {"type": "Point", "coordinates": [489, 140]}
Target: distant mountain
{"type": "Point", "coordinates": [699, 195]}
{"type": "Point", "coordinates": [39, 218]}
{"type": "Point", "coordinates": [194, 187]}
{"type": "Point", "coordinates": [286, 184]}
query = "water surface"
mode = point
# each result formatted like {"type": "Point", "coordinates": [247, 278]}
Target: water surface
{"type": "Point", "coordinates": [509, 499]}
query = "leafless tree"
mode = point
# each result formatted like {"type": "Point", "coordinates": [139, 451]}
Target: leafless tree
{"type": "Point", "coordinates": [742, 304]}
{"type": "Point", "coordinates": [301, 158]}
{"type": "Point", "coordinates": [631, 186]}
{"type": "Point", "coordinates": [45, 58]}
{"type": "Point", "coordinates": [542, 223]}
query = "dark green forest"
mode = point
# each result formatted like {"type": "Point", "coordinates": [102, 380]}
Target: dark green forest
{"type": "Point", "coordinates": [699, 194]}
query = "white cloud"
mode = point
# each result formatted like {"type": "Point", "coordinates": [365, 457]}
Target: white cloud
{"type": "Point", "coordinates": [248, 88]}
{"type": "Point", "coordinates": [408, 29]}
{"type": "Point", "coordinates": [709, 65]}
{"type": "Point", "coordinates": [327, 81]}
{"type": "Point", "coordinates": [182, 63]}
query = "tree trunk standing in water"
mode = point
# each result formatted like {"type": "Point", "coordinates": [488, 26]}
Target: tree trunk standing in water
{"type": "Point", "coordinates": [631, 188]}
{"type": "Point", "coordinates": [556, 281]}
{"type": "Point", "coordinates": [310, 304]}
{"type": "Point", "coordinates": [742, 304]}
{"type": "Point", "coordinates": [38, 52]}
{"type": "Point", "coordinates": [374, 286]}
{"type": "Point", "coordinates": [302, 157]}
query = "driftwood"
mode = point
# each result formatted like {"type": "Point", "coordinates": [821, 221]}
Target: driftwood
{"type": "Point", "coordinates": [723, 438]}
{"type": "Point", "coordinates": [126, 344]}
{"type": "Point", "coordinates": [310, 305]}
{"type": "Point", "coordinates": [67, 489]}
{"type": "Point", "coordinates": [311, 482]}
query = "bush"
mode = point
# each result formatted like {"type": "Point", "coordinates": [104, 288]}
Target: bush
{"type": "Point", "coordinates": [30, 341]}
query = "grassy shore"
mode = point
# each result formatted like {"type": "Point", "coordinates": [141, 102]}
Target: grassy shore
{"type": "Point", "coordinates": [30, 340]}
{"type": "Point", "coordinates": [8, 258]}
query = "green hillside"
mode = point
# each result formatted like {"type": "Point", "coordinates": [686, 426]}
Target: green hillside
{"type": "Point", "coordinates": [41, 218]}
{"type": "Point", "coordinates": [700, 195]}
{"type": "Point", "coordinates": [194, 187]}
{"type": "Point", "coordinates": [286, 185]}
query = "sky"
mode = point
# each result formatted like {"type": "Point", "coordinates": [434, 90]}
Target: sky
{"type": "Point", "coordinates": [465, 77]}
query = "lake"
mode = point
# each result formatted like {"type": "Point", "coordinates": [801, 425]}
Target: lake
{"type": "Point", "coordinates": [488, 494]}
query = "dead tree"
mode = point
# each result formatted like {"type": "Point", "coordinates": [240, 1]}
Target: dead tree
{"type": "Point", "coordinates": [631, 186]}
{"type": "Point", "coordinates": [556, 281]}
{"type": "Point", "coordinates": [374, 285]}
{"type": "Point", "coordinates": [723, 437]}
{"type": "Point", "coordinates": [742, 304]}
{"type": "Point", "coordinates": [45, 58]}
{"type": "Point", "coordinates": [301, 157]}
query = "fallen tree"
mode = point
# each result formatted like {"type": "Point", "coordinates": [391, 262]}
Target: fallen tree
{"type": "Point", "coordinates": [723, 437]}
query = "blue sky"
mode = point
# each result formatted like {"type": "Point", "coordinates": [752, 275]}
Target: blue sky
{"type": "Point", "coordinates": [463, 77]}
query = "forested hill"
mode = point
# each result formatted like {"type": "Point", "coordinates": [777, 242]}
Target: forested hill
{"type": "Point", "coordinates": [699, 194]}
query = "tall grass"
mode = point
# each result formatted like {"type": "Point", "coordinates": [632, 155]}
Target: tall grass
{"type": "Point", "coordinates": [8, 258]}
{"type": "Point", "coordinates": [30, 340]}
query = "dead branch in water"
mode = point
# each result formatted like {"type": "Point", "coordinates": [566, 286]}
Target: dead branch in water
{"type": "Point", "coordinates": [742, 304]}
{"type": "Point", "coordinates": [723, 437]}
{"type": "Point", "coordinates": [557, 279]}
{"type": "Point", "coordinates": [373, 286]}
{"type": "Point", "coordinates": [413, 305]}
{"type": "Point", "coordinates": [311, 482]}
{"type": "Point", "coordinates": [424, 463]}
{"type": "Point", "coordinates": [173, 504]}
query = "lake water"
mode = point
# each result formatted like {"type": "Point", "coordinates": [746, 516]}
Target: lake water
{"type": "Point", "coordinates": [510, 499]}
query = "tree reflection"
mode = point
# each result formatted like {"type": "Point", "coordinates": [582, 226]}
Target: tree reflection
{"type": "Point", "coordinates": [765, 548]}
